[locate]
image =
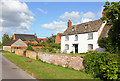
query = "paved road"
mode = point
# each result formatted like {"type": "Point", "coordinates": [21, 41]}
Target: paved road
{"type": "Point", "coordinates": [11, 71]}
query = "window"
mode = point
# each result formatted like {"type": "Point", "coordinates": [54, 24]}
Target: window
{"type": "Point", "coordinates": [67, 46]}
{"type": "Point", "coordinates": [76, 37]}
{"type": "Point", "coordinates": [90, 47]}
{"type": "Point", "coordinates": [90, 36]}
{"type": "Point", "coordinates": [66, 38]}
{"type": "Point", "coordinates": [73, 29]}
{"type": "Point", "coordinates": [41, 41]}
{"type": "Point", "coordinates": [86, 26]}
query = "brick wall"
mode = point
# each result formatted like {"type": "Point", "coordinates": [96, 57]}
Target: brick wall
{"type": "Point", "coordinates": [75, 62]}
{"type": "Point", "coordinates": [19, 52]}
{"type": "Point", "coordinates": [31, 54]}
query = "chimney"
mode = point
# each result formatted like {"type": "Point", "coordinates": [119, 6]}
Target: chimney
{"type": "Point", "coordinates": [69, 23]}
{"type": "Point", "coordinates": [35, 34]}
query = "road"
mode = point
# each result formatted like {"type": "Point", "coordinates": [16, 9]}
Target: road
{"type": "Point", "coordinates": [11, 71]}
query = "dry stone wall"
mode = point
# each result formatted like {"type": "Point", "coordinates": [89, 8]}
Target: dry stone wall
{"type": "Point", "coordinates": [75, 62]}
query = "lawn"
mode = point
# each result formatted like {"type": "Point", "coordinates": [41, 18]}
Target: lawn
{"type": "Point", "coordinates": [4, 51]}
{"type": "Point", "coordinates": [43, 70]}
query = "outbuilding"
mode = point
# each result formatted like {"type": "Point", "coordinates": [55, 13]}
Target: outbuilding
{"type": "Point", "coordinates": [14, 44]}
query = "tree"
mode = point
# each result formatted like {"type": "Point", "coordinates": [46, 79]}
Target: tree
{"type": "Point", "coordinates": [5, 39]}
{"type": "Point", "coordinates": [112, 16]}
{"type": "Point", "coordinates": [51, 39]}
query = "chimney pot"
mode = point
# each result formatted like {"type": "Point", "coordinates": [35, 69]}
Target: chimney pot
{"type": "Point", "coordinates": [35, 34]}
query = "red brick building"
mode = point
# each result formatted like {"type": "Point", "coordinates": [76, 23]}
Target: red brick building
{"type": "Point", "coordinates": [58, 38]}
{"type": "Point", "coordinates": [40, 40]}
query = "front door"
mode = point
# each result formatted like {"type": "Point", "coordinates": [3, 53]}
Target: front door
{"type": "Point", "coordinates": [76, 48]}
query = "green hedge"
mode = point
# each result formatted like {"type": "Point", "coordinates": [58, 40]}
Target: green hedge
{"type": "Point", "coordinates": [103, 65]}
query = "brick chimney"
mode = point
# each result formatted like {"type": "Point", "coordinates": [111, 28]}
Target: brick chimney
{"type": "Point", "coordinates": [69, 23]}
{"type": "Point", "coordinates": [35, 34]}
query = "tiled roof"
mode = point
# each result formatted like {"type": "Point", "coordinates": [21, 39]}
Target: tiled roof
{"type": "Point", "coordinates": [9, 43]}
{"type": "Point", "coordinates": [92, 26]}
{"type": "Point", "coordinates": [26, 37]}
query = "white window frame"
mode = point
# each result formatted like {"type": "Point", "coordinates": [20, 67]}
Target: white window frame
{"type": "Point", "coordinates": [90, 47]}
{"type": "Point", "coordinates": [67, 46]}
{"type": "Point", "coordinates": [90, 35]}
{"type": "Point", "coordinates": [76, 37]}
{"type": "Point", "coordinates": [67, 38]}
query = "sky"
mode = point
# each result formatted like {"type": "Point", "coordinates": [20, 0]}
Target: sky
{"type": "Point", "coordinates": [45, 18]}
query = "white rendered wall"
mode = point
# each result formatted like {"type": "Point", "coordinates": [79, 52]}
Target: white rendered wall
{"type": "Point", "coordinates": [82, 42]}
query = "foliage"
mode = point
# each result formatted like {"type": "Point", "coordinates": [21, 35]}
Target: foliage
{"type": "Point", "coordinates": [5, 39]}
{"type": "Point", "coordinates": [29, 47]}
{"type": "Point", "coordinates": [51, 39]}
{"type": "Point", "coordinates": [112, 15]}
{"type": "Point", "coordinates": [103, 65]}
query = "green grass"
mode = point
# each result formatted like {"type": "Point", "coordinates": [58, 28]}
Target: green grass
{"type": "Point", "coordinates": [4, 51]}
{"type": "Point", "coordinates": [43, 70]}
{"type": "Point", "coordinates": [0, 46]}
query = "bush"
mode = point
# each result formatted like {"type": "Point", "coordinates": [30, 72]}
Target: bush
{"type": "Point", "coordinates": [103, 65]}
{"type": "Point", "coordinates": [29, 47]}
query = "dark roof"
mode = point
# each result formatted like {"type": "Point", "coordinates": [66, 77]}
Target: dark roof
{"type": "Point", "coordinates": [26, 37]}
{"type": "Point", "coordinates": [9, 43]}
{"type": "Point", "coordinates": [105, 31]}
{"type": "Point", "coordinates": [93, 26]}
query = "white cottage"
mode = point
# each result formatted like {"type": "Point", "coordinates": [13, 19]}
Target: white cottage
{"type": "Point", "coordinates": [83, 37]}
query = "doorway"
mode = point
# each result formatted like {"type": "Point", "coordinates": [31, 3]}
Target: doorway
{"type": "Point", "coordinates": [76, 48]}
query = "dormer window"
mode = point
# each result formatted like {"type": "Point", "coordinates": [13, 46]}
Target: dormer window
{"type": "Point", "coordinates": [86, 26]}
{"type": "Point", "coordinates": [73, 29]}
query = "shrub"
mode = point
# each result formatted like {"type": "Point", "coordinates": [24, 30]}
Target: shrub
{"type": "Point", "coordinates": [103, 65]}
{"type": "Point", "coordinates": [29, 47]}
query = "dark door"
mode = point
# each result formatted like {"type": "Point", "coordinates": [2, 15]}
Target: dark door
{"type": "Point", "coordinates": [76, 48]}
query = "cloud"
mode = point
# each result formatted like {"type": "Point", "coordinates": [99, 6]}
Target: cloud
{"type": "Point", "coordinates": [43, 11]}
{"type": "Point", "coordinates": [83, 20]}
{"type": "Point", "coordinates": [88, 15]}
{"type": "Point", "coordinates": [15, 16]}
{"type": "Point", "coordinates": [56, 26]}
{"type": "Point", "coordinates": [99, 14]}
{"type": "Point", "coordinates": [74, 16]}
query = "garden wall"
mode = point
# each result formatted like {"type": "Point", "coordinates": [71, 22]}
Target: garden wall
{"type": "Point", "coordinates": [19, 52]}
{"type": "Point", "coordinates": [75, 62]}
{"type": "Point", "coordinates": [31, 54]}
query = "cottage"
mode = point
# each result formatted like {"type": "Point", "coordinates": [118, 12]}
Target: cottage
{"type": "Point", "coordinates": [83, 37]}
{"type": "Point", "coordinates": [14, 44]}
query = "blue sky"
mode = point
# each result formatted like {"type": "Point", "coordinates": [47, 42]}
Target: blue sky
{"type": "Point", "coordinates": [45, 18]}
{"type": "Point", "coordinates": [53, 11]}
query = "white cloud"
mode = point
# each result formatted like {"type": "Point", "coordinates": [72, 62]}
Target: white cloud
{"type": "Point", "coordinates": [88, 15]}
{"type": "Point", "coordinates": [56, 26]}
{"type": "Point", "coordinates": [74, 16]}
{"type": "Point", "coordinates": [99, 14]}
{"type": "Point", "coordinates": [43, 11]}
{"type": "Point", "coordinates": [83, 20]}
{"type": "Point", "coordinates": [15, 16]}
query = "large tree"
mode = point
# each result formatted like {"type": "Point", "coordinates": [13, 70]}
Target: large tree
{"type": "Point", "coordinates": [112, 16]}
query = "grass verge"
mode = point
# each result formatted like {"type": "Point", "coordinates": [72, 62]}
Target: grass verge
{"type": "Point", "coordinates": [4, 51]}
{"type": "Point", "coordinates": [43, 70]}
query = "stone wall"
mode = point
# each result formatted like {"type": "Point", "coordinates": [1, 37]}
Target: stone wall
{"type": "Point", "coordinates": [31, 54]}
{"type": "Point", "coordinates": [19, 52]}
{"type": "Point", "coordinates": [75, 62]}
